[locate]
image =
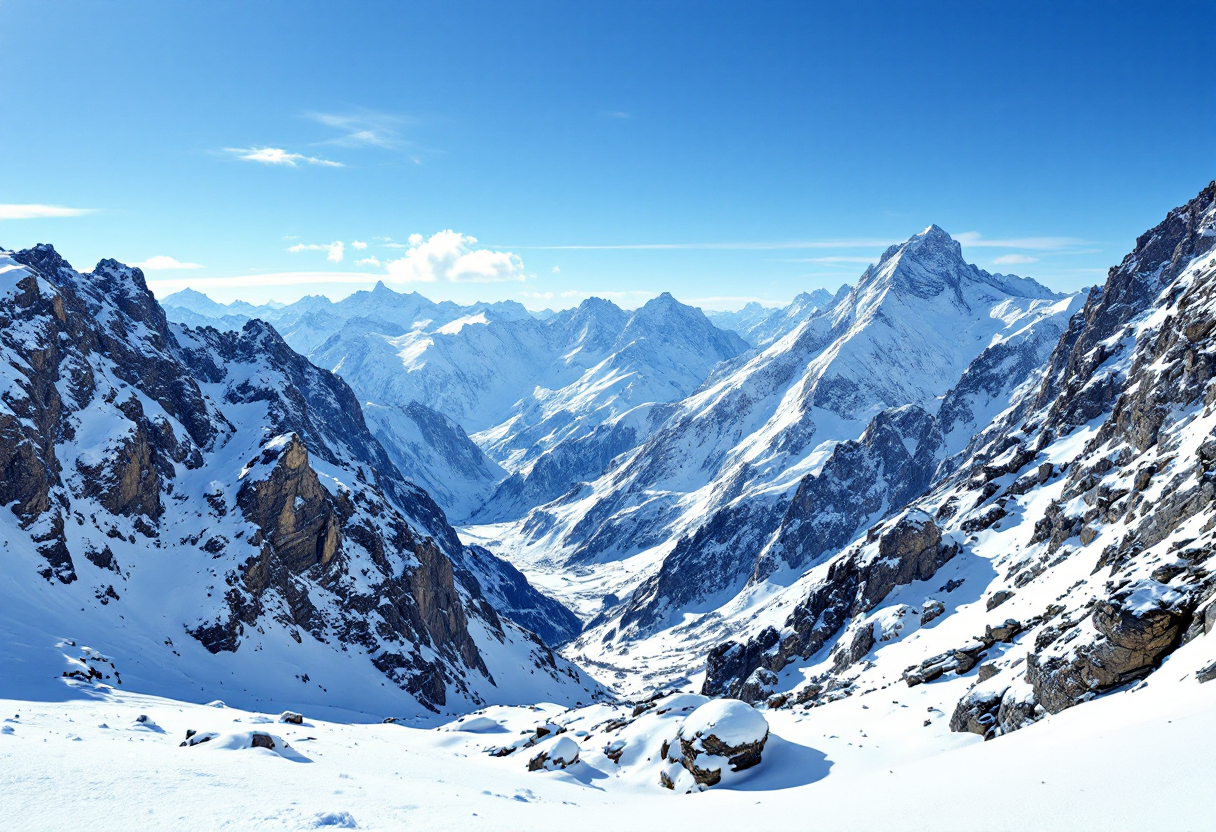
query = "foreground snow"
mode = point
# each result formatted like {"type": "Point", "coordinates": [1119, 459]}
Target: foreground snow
{"type": "Point", "coordinates": [1137, 759]}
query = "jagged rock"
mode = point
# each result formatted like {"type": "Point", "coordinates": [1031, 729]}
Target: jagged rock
{"type": "Point", "coordinates": [1002, 632]}
{"type": "Point", "coordinates": [909, 548]}
{"type": "Point", "coordinates": [105, 411]}
{"type": "Point", "coordinates": [260, 740]}
{"type": "Point", "coordinates": [1133, 633]}
{"type": "Point", "coordinates": [291, 718]}
{"type": "Point", "coordinates": [291, 508]}
{"type": "Point", "coordinates": [930, 611]}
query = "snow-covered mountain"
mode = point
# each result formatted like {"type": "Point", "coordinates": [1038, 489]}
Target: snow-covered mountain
{"type": "Point", "coordinates": [525, 388]}
{"type": "Point", "coordinates": [1067, 556]}
{"type": "Point", "coordinates": [760, 326]}
{"type": "Point", "coordinates": [210, 511]}
{"type": "Point", "coordinates": [680, 525]}
{"type": "Point", "coordinates": [574, 388]}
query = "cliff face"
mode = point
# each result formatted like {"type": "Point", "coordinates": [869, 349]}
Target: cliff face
{"type": "Point", "coordinates": [128, 443]}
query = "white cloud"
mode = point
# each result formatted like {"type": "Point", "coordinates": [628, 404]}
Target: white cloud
{"type": "Point", "coordinates": [556, 270]}
{"type": "Point", "coordinates": [279, 156]}
{"type": "Point", "coordinates": [1014, 259]}
{"type": "Point", "coordinates": [368, 261]}
{"type": "Point", "coordinates": [450, 256]}
{"type": "Point", "coordinates": [358, 245]}
{"type": "Point", "coordinates": [161, 263]}
{"type": "Point", "coordinates": [336, 250]}
{"type": "Point", "coordinates": [974, 238]}
{"type": "Point", "coordinates": [39, 212]}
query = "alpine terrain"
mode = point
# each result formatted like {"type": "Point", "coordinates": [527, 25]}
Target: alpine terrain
{"type": "Point", "coordinates": [941, 532]}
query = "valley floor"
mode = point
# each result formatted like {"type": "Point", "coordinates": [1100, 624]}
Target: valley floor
{"type": "Point", "coordinates": [1136, 759]}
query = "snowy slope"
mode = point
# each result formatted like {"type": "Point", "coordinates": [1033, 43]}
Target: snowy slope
{"type": "Point", "coordinates": [863, 763]}
{"type": "Point", "coordinates": [210, 510]}
{"type": "Point", "coordinates": [760, 326]}
{"type": "Point", "coordinates": [434, 452]}
{"type": "Point", "coordinates": [1067, 558]}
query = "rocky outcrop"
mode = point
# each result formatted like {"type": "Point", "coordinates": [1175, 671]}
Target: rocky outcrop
{"type": "Point", "coordinates": [908, 548]}
{"type": "Point", "coordinates": [291, 509]}
{"type": "Point", "coordinates": [1132, 632]}
{"type": "Point", "coordinates": [890, 465]}
{"type": "Point", "coordinates": [562, 753]}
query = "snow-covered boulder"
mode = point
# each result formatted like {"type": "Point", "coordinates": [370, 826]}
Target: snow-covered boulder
{"type": "Point", "coordinates": [721, 734]}
{"type": "Point", "coordinates": [559, 753]}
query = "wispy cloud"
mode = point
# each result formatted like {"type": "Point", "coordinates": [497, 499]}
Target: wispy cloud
{"type": "Point", "coordinates": [1014, 259]}
{"type": "Point", "coordinates": [974, 238]}
{"type": "Point", "coordinates": [335, 251]}
{"type": "Point", "coordinates": [620, 114]}
{"type": "Point", "coordinates": [368, 261]}
{"type": "Point", "coordinates": [161, 263]}
{"type": "Point", "coordinates": [358, 245]}
{"type": "Point", "coordinates": [452, 257]}
{"type": "Point", "coordinates": [741, 246]}
{"type": "Point", "coordinates": [279, 157]}
{"type": "Point", "coordinates": [836, 259]}
{"type": "Point", "coordinates": [240, 283]}
{"type": "Point", "coordinates": [34, 211]}
{"type": "Point", "coordinates": [364, 128]}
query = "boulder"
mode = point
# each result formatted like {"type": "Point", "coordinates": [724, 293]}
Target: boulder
{"type": "Point", "coordinates": [997, 598]}
{"type": "Point", "coordinates": [561, 753]}
{"type": "Point", "coordinates": [723, 733]}
{"type": "Point", "coordinates": [931, 610]}
{"type": "Point", "coordinates": [260, 740]}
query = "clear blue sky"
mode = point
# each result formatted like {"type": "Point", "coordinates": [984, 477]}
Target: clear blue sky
{"type": "Point", "coordinates": [722, 151]}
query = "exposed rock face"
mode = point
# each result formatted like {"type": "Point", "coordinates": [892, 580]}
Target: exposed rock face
{"type": "Point", "coordinates": [892, 464]}
{"type": "Point", "coordinates": [291, 508]}
{"type": "Point", "coordinates": [1128, 644]}
{"type": "Point", "coordinates": [1137, 358]}
{"type": "Point", "coordinates": [909, 548]}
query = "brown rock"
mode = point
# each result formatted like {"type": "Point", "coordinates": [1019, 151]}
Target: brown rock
{"type": "Point", "coordinates": [997, 598]}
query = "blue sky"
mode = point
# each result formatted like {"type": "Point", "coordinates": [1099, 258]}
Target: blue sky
{"type": "Point", "coordinates": [548, 151]}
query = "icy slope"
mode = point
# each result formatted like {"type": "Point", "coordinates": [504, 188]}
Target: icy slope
{"type": "Point", "coordinates": [210, 510]}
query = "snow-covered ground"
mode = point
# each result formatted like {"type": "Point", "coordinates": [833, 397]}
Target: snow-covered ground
{"type": "Point", "coordinates": [1137, 759]}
